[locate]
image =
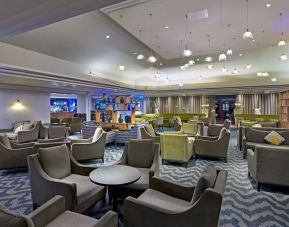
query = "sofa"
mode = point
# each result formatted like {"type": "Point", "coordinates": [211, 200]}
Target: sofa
{"type": "Point", "coordinates": [268, 164]}
{"type": "Point", "coordinates": [253, 137]}
{"type": "Point", "coordinates": [253, 117]}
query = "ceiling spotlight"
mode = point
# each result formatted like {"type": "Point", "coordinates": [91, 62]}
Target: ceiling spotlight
{"type": "Point", "coordinates": [208, 59]}
{"type": "Point", "coordinates": [274, 79]}
{"type": "Point", "coordinates": [224, 69]}
{"type": "Point", "coordinates": [210, 66]}
{"type": "Point", "coordinates": [152, 59]}
{"type": "Point", "coordinates": [283, 57]}
{"type": "Point", "coordinates": [198, 59]}
{"type": "Point", "coordinates": [191, 62]}
{"type": "Point", "coordinates": [186, 65]}
{"type": "Point", "coordinates": [187, 52]}
{"type": "Point", "coordinates": [121, 67]}
{"type": "Point", "coordinates": [248, 35]}
{"type": "Point", "coordinates": [240, 55]}
{"type": "Point", "coordinates": [182, 67]}
{"type": "Point", "coordinates": [161, 64]}
{"type": "Point", "coordinates": [282, 43]}
{"type": "Point", "coordinates": [140, 57]}
{"type": "Point", "coordinates": [264, 74]}
{"type": "Point", "coordinates": [229, 52]}
{"type": "Point", "coordinates": [181, 84]}
{"type": "Point", "coordinates": [268, 5]}
{"type": "Point", "coordinates": [235, 71]}
{"type": "Point", "coordinates": [253, 40]}
{"type": "Point", "coordinates": [222, 57]}
{"type": "Point", "coordinates": [107, 36]}
{"type": "Point", "coordinates": [166, 26]}
{"type": "Point", "coordinates": [248, 66]}
{"type": "Point", "coordinates": [259, 74]}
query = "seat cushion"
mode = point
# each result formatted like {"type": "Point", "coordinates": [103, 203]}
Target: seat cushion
{"type": "Point", "coordinates": [84, 187]}
{"type": "Point", "coordinates": [69, 219]}
{"type": "Point", "coordinates": [164, 201]}
{"type": "Point", "coordinates": [97, 134]}
{"type": "Point", "coordinates": [142, 183]}
{"type": "Point", "coordinates": [55, 161]}
{"type": "Point", "coordinates": [274, 138]}
{"type": "Point", "coordinates": [4, 140]}
{"type": "Point", "coordinates": [150, 130]}
{"type": "Point", "coordinates": [10, 219]}
{"type": "Point", "coordinates": [140, 153]}
{"type": "Point", "coordinates": [207, 180]}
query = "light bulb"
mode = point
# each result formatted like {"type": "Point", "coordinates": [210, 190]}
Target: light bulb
{"type": "Point", "coordinates": [186, 65]}
{"type": "Point", "coordinates": [235, 71]}
{"type": "Point", "coordinates": [208, 59]}
{"type": "Point", "coordinates": [187, 52]}
{"type": "Point", "coordinates": [181, 84]}
{"type": "Point", "coordinates": [140, 57]}
{"type": "Point", "coordinates": [121, 67]}
{"type": "Point", "coordinates": [222, 57]}
{"type": "Point", "coordinates": [224, 69]}
{"type": "Point", "coordinates": [229, 52]}
{"type": "Point", "coordinates": [182, 67]}
{"type": "Point", "coordinates": [248, 35]}
{"type": "Point", "coordinates": [274, 79]}
{"type": "Point", "coordinates": [191, 62]}
{"type": "Point", "coordinates": [152, 59]}
{"type": "Point", "coordinates": [210, 66]}
{"type": "Point", "coordinates": [283, 57]}
{"type": "Point", "coordinates": [282, 43]}
{"type": "Point", "coordinates": [248, 66]}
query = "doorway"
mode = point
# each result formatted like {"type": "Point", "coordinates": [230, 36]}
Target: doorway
{"type": "Point", "coordinates": [224, 108]}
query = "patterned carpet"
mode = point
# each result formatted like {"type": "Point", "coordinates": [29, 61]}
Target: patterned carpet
{"type": "Point", "coordinates": [242, 206]}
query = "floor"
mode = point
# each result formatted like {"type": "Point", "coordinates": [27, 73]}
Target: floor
{"type": "Point", "coordinates": [242, 205]}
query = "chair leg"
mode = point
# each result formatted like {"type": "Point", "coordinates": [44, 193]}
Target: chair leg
{"type": "Point", "coordinates": [248, 174]}
{"type": "Point", "coordinates": [103, 202]}
{"type": "Point", "coordinates": [258, 187]}
{"type": "Point", "coordinates": [34, 206]}
{"type": "Point", "coordinates": [102, 160]}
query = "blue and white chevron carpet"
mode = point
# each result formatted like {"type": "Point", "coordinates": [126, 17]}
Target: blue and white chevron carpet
{"type": "Point", "coordinates": [242, 205]}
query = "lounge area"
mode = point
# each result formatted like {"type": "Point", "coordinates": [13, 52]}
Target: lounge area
{"type": "Point", "coordinates": [144, 113]}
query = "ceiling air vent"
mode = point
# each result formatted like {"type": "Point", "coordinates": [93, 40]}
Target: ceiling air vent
{"type": "Point", "coordinates": [198, 15]}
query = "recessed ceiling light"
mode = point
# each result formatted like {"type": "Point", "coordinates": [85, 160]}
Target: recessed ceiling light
{"type": "Point", "coordinates": [181, 84]}
{"type": "Point", "coordinates": [210, 66]}
{"type": "Point", "coordinates": [240, 55]}
{"type": "Point", "coordinates": [224, 69]}
{"type": "Point", "coordinates": [187, 52]}
{"type": "Point", "coordinates": [198, 59]}
{"type": "Point", "coordinates": [107, 36]}
{"type": "Point", "coordinates": [253, 40]}
{"type": "Point", "coordinates": [248, 66]}
{"type": "Point", "coordinates": [121, 67]}
{"type": "Point", "coordinates": [208, 59]}
{"type": "Point", "coordinates": [268, 5]}
{"type": "Point", "coordinates": [152, 59]}
{"type": "Point", "coordinates": [222, 57]}
{"type": "Point", "coordinates": [166, 26]}
{"type": "Point", "coordinates": [282, 43]}
{"type": "Point", "coordinates": [229, 52]}
{"type": "Point", "coordinates": [274, 79]}
{"type": "Point", "coordinates": [235, 71]}
{"type": "Point", "coordinates": [263, 74]}
{"type": "Point", "coordinates": [140, 57]}
{"type": "Point", "coordinates": [191, 62]}
{"type": "Point", "coordinates": [161, 64]}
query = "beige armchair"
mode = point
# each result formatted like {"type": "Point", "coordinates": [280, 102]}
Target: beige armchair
{"type": "Point", "coordinates": [92, 148]}
{"type": "Point", "coordinates": [213, 147]}
{"type": "Point", "coordinates": [75, 125]}
{"type": "Point", "coordinates": [142, 154]}
{"type": "Point", "coordinates": [54, 214]}
{"type": "Point", "coordinates": [148, 132]}
{"type": "Point", "coordinates": [176, 147]}
{"type": "Point", "coordinates": [57, 131]}
{"type": "Point", "coordinates": [214, 130]}
{"type": "Point", "coordinates": [170, 204]}
{"type": "Point", "coordinates": [55, 172]}
{"type": "Point", "coordinates": [14, 155]}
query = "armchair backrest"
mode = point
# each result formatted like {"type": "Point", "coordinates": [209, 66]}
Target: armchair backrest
{"type": "Point", "coordinates": [149, 130]}
{"type": "Point", "coordinates": [190, 128]}
{"type": "Point", "coordinates": [76, 120]}
{"type": "Point", "coordinates": [227, 124]}
{"type": "Point", "coordinates": [56, 131]}
{"type": "Point", "coordinates": [140, 153]}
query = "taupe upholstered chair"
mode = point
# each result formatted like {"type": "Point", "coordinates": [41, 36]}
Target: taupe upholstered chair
{"type": "Point", "coordinates": [268, 164]}
{"type": "Point", "coordinates": [92, 148]}
{"type": "Point", "coordinates": [54, 214]}
{"type": "Point", "coordinates": [170, 204]}
{"type": "Point", "coordinates": [214, 130]}
{"type": "Point", "coordinates": [29, 133]}
{"type": "Point", "coordinates": [148, 132]}
{"type": "Point", "coordinates": [57, 131]}
{"type": "Point", "coordinates": [55, 172]}
{"type": "Point", "coordinates": [14, 155]}
{"type": "Point", "coordinates": [75, 125]}
{"type": "Point", "coordinates": [142, 154]}
{"type": "Point", "coordinates": [213, 147]}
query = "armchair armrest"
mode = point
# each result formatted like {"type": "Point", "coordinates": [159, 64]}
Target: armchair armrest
{"type": "Point", "coordinates": [157, 133]}
{"type": "Point", "coordinates": [48, 211]}
{"type": "Point", "coordinates": [154, 170]}
{"type": "Point", "coordinates": [80, 169]}
{"type": "Point", "coordinates": [110, 219]}
{"type": "Point", "coordinates": [208, 138]}
{"type": "Point", "coordinates": [21, 145]}
{"type": "Point", "coordinates": [172, 188]}
{"type": "Point", "coordinates": [122, 160]}
{"type": "Point", "coordinates": [81, 141]}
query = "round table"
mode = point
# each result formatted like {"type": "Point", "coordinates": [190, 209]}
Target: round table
{"type": "Point", "coordinates": [113, 176]}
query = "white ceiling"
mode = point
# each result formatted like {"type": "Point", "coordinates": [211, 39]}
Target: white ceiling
{"type": "Point", "coordinates": [81, 40]}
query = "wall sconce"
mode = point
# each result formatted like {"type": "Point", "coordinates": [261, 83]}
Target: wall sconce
{"type": "Point", "coordinates": [18, 105]}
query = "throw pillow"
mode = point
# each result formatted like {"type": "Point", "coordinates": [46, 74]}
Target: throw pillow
{"type": "Point", "coordinates": [97, 134]}
{"type": "Point", "coordinates": [207, 180]}
{"type": "Point", "coordinates": [274, 138]}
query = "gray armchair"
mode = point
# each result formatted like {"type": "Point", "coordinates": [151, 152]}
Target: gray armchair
{"type": "Point", "coordinates": [92, 148]}
{"type": "Point", "coordinates": [170, 204]}
{"type": "Point", "coordinates": [214, 130]}
{"type": "Point", "coordinates": [142, 154]}
{"type": "Point", "coordinates": [57, 131]}
{"type": "Point", "coordinates": [213, 147]}
{"type": "Point", "coordinates": [55, 172]}
{"type": "Point", "coordinates": [269, 165]}
{"type": "Point", "coordinates": [54, 214]}
{"type": "Point", "coordinates": [148, 132]}
{"type": "Point", "coordinates": [14, 155]}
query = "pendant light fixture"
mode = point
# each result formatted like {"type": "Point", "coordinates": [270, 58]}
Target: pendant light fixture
{"type": "Point", "coordinates": [281, 43]}
{"type": "Point", "coordinates": [248, 35]}
{"type": "Point", "coordinates": [140, 56]}
{"type": "Point", "coordinates": [208, 58]}
{"type": "Point", "coordinates": [229, 51]}
{"type": "Point", "coordinates": [187, 51]}
{"type": "Point", "coordinates": [222, 56]}
{"type": "Point", "coordinates": [121, 66]}
{"type": "Point", "coordinates": [151, 59]}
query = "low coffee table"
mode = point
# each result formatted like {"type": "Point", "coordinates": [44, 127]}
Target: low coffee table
{"type": "Point", "coordinates": [113, 176]}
